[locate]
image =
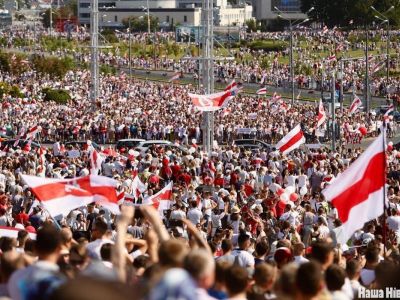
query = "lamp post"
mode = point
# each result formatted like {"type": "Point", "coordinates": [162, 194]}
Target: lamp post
{"type": "Point", "coordinates": [383, 17]}
{"type": "Point", "coordinates": [148, 15]}
{"type": "Point", "coordinates": [291, 24]}
{"type": "Point", "coordinates": [130, 47]}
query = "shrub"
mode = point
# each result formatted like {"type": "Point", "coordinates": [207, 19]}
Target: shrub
{"type": "Point", "coordinates": [57, 95]}
{"type": "Point", "coordinates": [268, 45]}
{"type": "Point", "coordinates": [55, 67]}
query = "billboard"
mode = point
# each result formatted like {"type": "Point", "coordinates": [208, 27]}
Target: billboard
{"type": "Point", "coordinates": [286, 5]}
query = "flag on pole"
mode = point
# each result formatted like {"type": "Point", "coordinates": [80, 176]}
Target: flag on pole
{"type": "Point", "coordinates": [31, 133]}
{"type": "Point", "coordinates": [234, 87]}
{"type": "Point", "coordinates": [137, 187]}
{"type": "Point", "coordinates": [211, 102]}
{"type": "Point", "coordinates": [60, 196]}
{"type": "Point", "coordinates": [261, 91]}
{"type": "Point", "coordinates": [386, 115]}
{"type": "Point", "coordinates": [291, 141]}
{"type": "Point", "coordinates": [321, 118]}
{"type": "Point", "coordinates": [175, 77]}
{"type": "Point", "coordinates": [359, 192]}
{"type": "Point", "coordinates": [161, 200]}
{"type": "Point", "coordinates": [355, 104]}
{"type": "Point", "coordinates": [96, 159]}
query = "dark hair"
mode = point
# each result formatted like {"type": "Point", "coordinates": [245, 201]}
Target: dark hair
{"type": "Point", "coordinates": [172, 253]}
{"type": "Point", "coordinates": [100, 225]}
{"type": "Point", "coordinates": [226, 245]}
{"type": "Point", "coordinates": [22, 234]}
{"type": "Point", "coordinates": [48, 239]}
{"type": "Point", "coordinates": [263, 273]}
{"type": "Point", "coordinates": [334, 277]}
{"type": "Point", "coordinates": [105, 252]}
{"type": "Point", "coordinates": [142, 261]}
{"type": "Point", "coordinates": [352, 267]}
{"type": "Point", "coordinates": [236, 280]}
{"type": "Point", "coordinates": [320, 251]}
{"type": "Point", "coordinates": [308, 278]}
{"type": "Point", "coordinates": [262, 247]}
{"type": "Point", "coordinates": [7, 243]}
{"type": "Point", "coordinates": [242, 238]}
{"type": "Point", "coordinates": [372, 254]}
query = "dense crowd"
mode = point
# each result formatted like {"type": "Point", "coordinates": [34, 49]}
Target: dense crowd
{"type": "Point", "coordinates": [314, 62]}
{"type": "Point", "coordinates": [240, 223]}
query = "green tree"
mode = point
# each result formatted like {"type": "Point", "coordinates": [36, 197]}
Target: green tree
{"type": "Point", "coordinates": [251, 25]}
{"type": "Point", "coordinates": [341, 12]}
{"type": "Point", "coordinates": [140, 23]}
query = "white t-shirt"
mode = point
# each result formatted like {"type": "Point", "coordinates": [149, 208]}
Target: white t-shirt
{"type": "Point", "coordinates": [367, 276]}
{"type": "Point", "coordinates": [94, 247]}
{"type": "Point", "coordinates": [244, 258]}
{"type": "Point", "coordinates": [194, 215]}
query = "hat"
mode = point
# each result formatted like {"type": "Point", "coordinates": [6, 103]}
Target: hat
{"type": "Point", "coordinates": [235, 210]}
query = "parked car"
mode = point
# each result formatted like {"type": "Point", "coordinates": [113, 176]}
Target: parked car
{"type": "Point", "coordinates": [249, 143]}
{"type": "Point", "coordinates": [172, 147]}
{"type": "Point", "coordinates": [143, 146]}
{"type": "Point", "coordinates": [128, 143]}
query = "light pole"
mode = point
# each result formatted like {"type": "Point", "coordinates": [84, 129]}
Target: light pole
{"type": "Point", "coordinates": [366, 90]}
{"type": "Point", "coordinates": [291, 24]}
{"type": "Point", "coordinates": [333, 111]}
{"type": "Point", "coordinates": [51, 19]}
{"type": "Point", "coordinates": [148, 15]}
{"type": "Point", "coordinates": [130, 53]}
{"type": "Point", "coordinates": [383, 17]}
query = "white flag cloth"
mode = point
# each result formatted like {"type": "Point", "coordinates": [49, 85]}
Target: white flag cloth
{"type": "Point", "coordinates": [291, 141]}
{"type": "Point", "coordinates": [358, 192]}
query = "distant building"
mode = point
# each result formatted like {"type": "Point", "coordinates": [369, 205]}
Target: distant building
{"type": "Point", "coordinates": [169, 12]}
{"type": "Point", "coordinates": [265, 9]}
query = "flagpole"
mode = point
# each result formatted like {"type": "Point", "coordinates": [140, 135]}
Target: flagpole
{"type": "Point", "coordinates": [384, 233]}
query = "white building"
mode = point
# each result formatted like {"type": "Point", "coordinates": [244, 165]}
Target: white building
{"type": "Point", "coordinates": [265, 9]}
{"type": "Point", "coordinates": [169, 12]}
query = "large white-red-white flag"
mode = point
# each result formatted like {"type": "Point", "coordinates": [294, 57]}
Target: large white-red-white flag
{"type": "Point", "coordinates": [12, 232]}
{"type": "Point", "coordinates": [31, 133]}
{"type": "Point", "coordinates": [60, 196]}
{"type": "Point", "coordinates": [211, 102]}
{"type": "Point", "coordinates": [161, 200]}
{"type": "Point", "coordinates": [358, 192]}
{"type": "Point", "coordinates": [291, 141]}
{"type": "Point", "coordinates": [234, 88]}
{"type": "Point", "coordinates": [321, 118]}
{"type": "Point", "coordinates": [355, 105]}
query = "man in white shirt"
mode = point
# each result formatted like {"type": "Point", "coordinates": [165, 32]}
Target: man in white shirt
{"type": "Point", "coordinates": [242, 257]}
{"type": "Point", "coordinates": [298, 253]}
{"type": "Point", "coordinates": [194, 214]}
{"type": "Point", "coordinates": [99, 238]}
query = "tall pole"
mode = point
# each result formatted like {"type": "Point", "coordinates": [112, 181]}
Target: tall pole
{"type": "Point", "coordinates": [51, 20]}
{"type": "Point", "coordinates": [130, 49]}
{"type": "Point", "coordinates": [322, 82]}
{"type": "Point", "coordinates": [148, 18]}
{"type": "Point", "coordinates": [387, 58]}
{"type": "Point", "coordinates": [333, 111]}
{"type": "Point", "coordinates": [94, 59]}
{"type": "Point", "coordinates": [366, 90]}
{"type": "Point", "coordinates": [341, 95]}
{"type": "Point", "coordinates": [208, 71]}
{"type": "Point", "coordinates": [291, 61]}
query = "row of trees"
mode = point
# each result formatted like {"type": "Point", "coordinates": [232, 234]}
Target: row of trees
{"type": "Point", "coordinates": [350, 12]}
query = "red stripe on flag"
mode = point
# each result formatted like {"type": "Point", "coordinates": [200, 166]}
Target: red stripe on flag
{"type": "Point", "coordinates": [292, 141]}
{"type": "Point", "coordinates": [360, 190]}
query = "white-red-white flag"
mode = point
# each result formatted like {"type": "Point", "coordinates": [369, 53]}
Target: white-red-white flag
{"type": "Point", "coordinates": [386, 115]}
{"type": "Point", "coordinates": [137, 187]}
{"type": "Point", "coordinates": [211, 102]}
{"type": "Point", "coordinates": [175, 77]}
{"type": "Point", "coordinates": [60, 196]}
{"type": "Point", "coordinates": [358, 192]}
{"type": "Point", "coordinates": [96, 159]}
{"type": "Point", "coordinates": [12, 232]}
{"type": "Point", "coordinates": [355, 105]}
{"type": "Point", "coordinates": [261, 91]}
{"type": "Point", "coordinates": [161, 200]}
{"type": "Point", "coordinates": [321, 118]}
{"type": "Point", "coordinates": [234, 88]}
{"type": "Point", "coordinates": [31, 133]}
{"type": "Point", "coordinates": [291, 141]}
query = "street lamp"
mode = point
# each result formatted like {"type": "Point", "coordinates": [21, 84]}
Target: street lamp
{"type": "Point", "coordinates": [291, 24]}
{"type": "Point", "coordinates": [130, 45]}
{"type": "Point", "coordinates": [383, 17]}
{"type": "Point", "coordinates": [148, 15]}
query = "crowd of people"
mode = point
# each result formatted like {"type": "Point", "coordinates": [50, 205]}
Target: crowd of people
{"type": "Point", "coordinates": [317, 55]}
{"type": "Point", "coordinates": [239, 224]}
